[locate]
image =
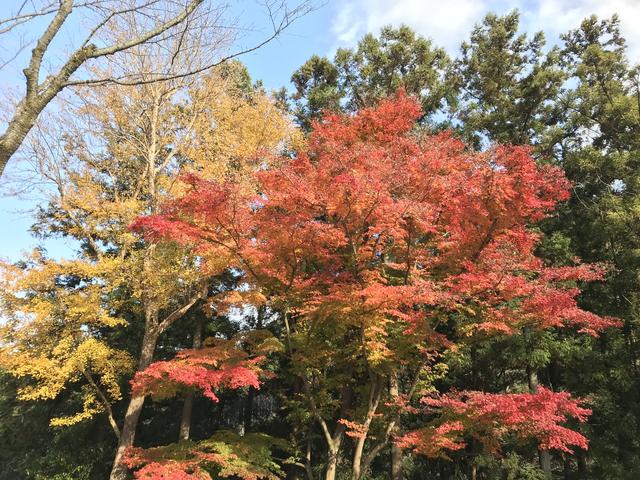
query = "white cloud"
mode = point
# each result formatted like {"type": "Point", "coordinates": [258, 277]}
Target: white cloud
{"type": "Point", "coordinates": [449, 22]}
{"type": "Point", "coordinates": [348, 29]}
{"type": "Point", "coordinates": [559, 16]}
{"type": "Point", "coordinates": [445, 21]}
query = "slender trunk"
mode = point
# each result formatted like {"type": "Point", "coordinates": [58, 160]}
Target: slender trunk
{"type": "Point", "coordinates": [251, 394]}
{"type": "Point", "coordinates": [332, 461]}
{"type": "Point", "coordinates": [248, 410]}
{"type": "Point", "coordinates": [391, 426]}
{"type": "Point", "coordinates": [334, 442]}
{"type": "Point", "coordinates": [356, 471]}
{"type": "Point", "coordinates": [152, 151]}
{"type": "Point", "coordinates": [396, 452]}
{"type": "Point", "coordinates": [187, 408]}
{"type": "Point", "coordinates": [185, 420]}
{"type": "Point", "coordinates": [545, 462]}
{"type": "Point", "coordinates": [374, 400]}
{"type": "Point", "coordinates": [544, 456]}
{"type": "Point", "coordinates": [396, 462]}
{"type": "Point", "coordinates": [152, 324]}
{"type": "Point", "coordinates": [128, 432]}
{"type": "Point", "coordinates": [307, 462]}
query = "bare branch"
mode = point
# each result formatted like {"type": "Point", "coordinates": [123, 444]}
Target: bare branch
{"type": "Point", "coordinates": [39, 94]}
{"type": "Point", "coordinates": [108, 18]}
{"type": "Point", "coordinates": [148, 35]}
{"type": "Point", "coordinates": [19, 18]}
{"type": "Point", "coordinates": [143, 78]}
{"type": "Point", "coordinates": [14, 56]}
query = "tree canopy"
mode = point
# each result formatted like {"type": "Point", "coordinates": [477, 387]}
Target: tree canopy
{"type": "Point", "coordinates": [410, 266]}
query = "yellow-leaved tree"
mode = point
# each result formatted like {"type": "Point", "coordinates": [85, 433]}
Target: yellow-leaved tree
{"type": "Point", "coordinates": [54, 313]}
{"type": "Point", "coordinates": [111, 157]}
{"type": "Point", "coordinates": [239, 126]}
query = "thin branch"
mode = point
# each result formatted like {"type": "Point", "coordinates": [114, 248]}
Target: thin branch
{"type": "Point", "coordinates": [160, 29]}
{"type": "Point", "coordinates": [108, 18]}
{"type": "Point", "coordinates": [391, 425]}
{"type": "Point", "coordinates": [105, 402]}
{"type": "Point", "coordinates": [13, 57]}
{"type": "Point", "coordinates": [180, 312]}
{"type": "Point", "coordinates": [154, 77]}
{"type": "Point", "coordinates": [19, 19]}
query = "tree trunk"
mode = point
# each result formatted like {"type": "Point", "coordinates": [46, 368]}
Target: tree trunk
{"type": "Point", "coordinates": [37, 96]}
{"type": "Point", "coordinates": [545, 462]}
{"type": "Point", "coordinates": [335, 441]}
{"type": "Point", "coordinates": [251, 394]}
{"type": "Point", "coordinates": [187, 408]}
{"type": "Point", "coordinates": [374, 399]}
{"type": "Point", "coordinates": [307, 462]}
{"type": "Point", "coordinates": [185, 420]}
{"type": "Point", "coordinates": [18, 128]}
{"type": "Point", "coordinates": [247, 414]}
{"type": "Point", "coordinates": [332, 462]}
{"type": "Point", "coordinates": [544, 456]}
{"type": "Point", "coordinates": [396, 452]}
{"type": "Point", "coordinates": [356, 471]}
{"type": "Point", "coordinates": [128, 433]}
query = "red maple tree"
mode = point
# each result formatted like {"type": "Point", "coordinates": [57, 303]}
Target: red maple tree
{"type": "Point", "coordinates": [397, 234]}
{"type": "Point", "coordinates": [488, 417]}
{"type": "Point", "coordinates": [218, 366]}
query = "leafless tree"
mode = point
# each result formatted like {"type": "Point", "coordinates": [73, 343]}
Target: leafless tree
{"type": "Point", "coordinates": [153, 23]}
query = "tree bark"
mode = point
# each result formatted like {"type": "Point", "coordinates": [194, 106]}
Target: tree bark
{"type": "Point", "coordinates": [391, 426]}
{"type": "Point", "coordinates": [545, 462]}
{"type": "Point", "coordinates": [247, 417]}
{"type": "Point", "coordinates": [39, 95]}
{"type": "Point", "coordinates": [566, 467]}
{"type": "Point", "coordinates": [544, 456]}
{"type": "Point", "coordinates": [17, 130]}
{"type": "Point", "coordinates": [36, 96]}
{"type": "Point", "coordinates": [374, 399]}
{"type": "Point", "coordinates": [396, 452]}
{"type": "Point", "coordinates": [153, 328]}
{"type": "Point", "coordinates": [128, 432]}
{"type": "Point", "coordinates": [334, 442]}
{"type": "Point", "coordinates": [332, 461]}
{"type": "Point", "coordinates": [187, 408]}
{"type": "Point", "coordinates": [307, 462]}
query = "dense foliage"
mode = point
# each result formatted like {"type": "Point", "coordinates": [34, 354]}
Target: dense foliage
{"type": "Point", "coordinates": [435, 276]}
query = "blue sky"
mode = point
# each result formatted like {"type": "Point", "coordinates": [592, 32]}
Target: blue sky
{"type": "Point", "coordinates": [338, 23]}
